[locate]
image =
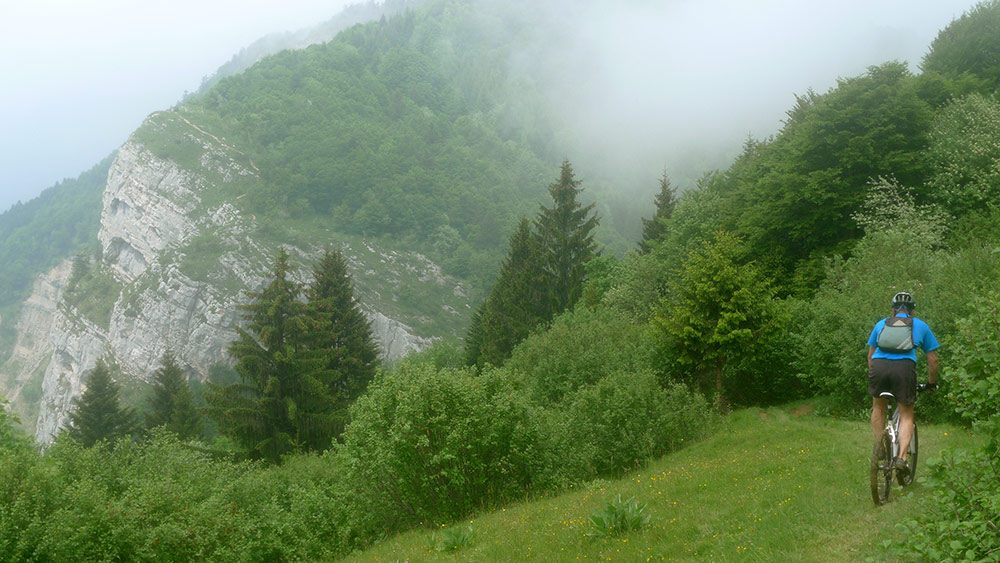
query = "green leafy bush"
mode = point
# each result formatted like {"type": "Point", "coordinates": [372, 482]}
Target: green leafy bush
{"type": "Point", "coordinates": [580, 348]}
{"type": "Point", "coordinates": [974, 372]}
{"type": "Point", "coordinates": [428, 445]}
{"type": "Point", "coordinates": [957, 520]}
{"type": "Point", "coordinates": [898, 254]}
{"type": "Point", "coordinates": [164, 501]}
{"type": "Point", "coordinates": [624, 419]}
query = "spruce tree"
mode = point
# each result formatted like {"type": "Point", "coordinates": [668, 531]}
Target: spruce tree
{"type": "Point", "coordinates": [566, 231]}
{"type": "Point", "coordinates": [340, 346]}
{"type": "Point", "coordinates": [666, 201]}
{"type": "Point", "coordinates": [278, 407]}
{"type": "Point", "coordinates": [172, 403]}
{"type": "Point", "coordinates": [98, 415]}
{"type": "Point", "coordinates": [474, 336]}
{"type": "Point", "coordinates": [515, 305]}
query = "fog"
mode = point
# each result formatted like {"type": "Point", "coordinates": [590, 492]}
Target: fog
{"type": "Point", "coordinates": [645, 84]}
{"type": "Point", "coordinates": [681, 85]}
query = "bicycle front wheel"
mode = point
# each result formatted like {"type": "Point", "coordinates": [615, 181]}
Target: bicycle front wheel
{"type": "Point", "coordinates": [881, 469]}
{"type": "Point", "coordinates": [911, 458]}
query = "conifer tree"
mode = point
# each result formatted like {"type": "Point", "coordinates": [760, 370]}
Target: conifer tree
{"type": "Point", "coordinates": [172, 403]}
{"type": "Point", "coordinates": [566, 231]}
{"type": "Point", "coordinates": [666, 201]}
{"type": "Point", "coordinates": [724, 309]}
{"type": "Point", "coordinates": [473, 344]}
{"type": "Point", "coordinates": [278, 407]}
{"type": "Point", "coordinates": [98, 414]}
{"type": "Point", "coordinates": [515, 305]}
{"type": "Point", "coordinates": [341, 348]}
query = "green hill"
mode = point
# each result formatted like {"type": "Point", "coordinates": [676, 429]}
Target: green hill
{"type": "Point", "coordinates": [759, 289]}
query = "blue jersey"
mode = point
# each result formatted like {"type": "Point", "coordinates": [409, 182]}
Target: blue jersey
{"type": "Point", "coordinates": [922, 337]}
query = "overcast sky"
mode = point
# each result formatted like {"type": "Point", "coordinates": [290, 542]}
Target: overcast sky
{"type": "Point", "coordinates": [79, 76]}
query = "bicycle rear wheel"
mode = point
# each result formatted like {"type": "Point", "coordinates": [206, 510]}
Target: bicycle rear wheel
{"type": "Point", "coordinates": [881, 469]}
{"type": "Point", "coordinates": [911, 458]}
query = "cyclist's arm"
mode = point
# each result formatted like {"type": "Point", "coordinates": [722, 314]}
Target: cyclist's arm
{"type": "Point", "coordinates": [932, 366]}
{"type": "Point", "coordinates": [871, 352]}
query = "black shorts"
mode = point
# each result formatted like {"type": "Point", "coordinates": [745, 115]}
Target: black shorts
{"type": "Point", "coordinates": [898, 377]}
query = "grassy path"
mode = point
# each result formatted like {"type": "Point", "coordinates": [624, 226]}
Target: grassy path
{"type": "Point", "coordinates": [771, 485]}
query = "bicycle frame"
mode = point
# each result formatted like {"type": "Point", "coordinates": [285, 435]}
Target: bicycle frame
{"type": "Point", "coordinates": [892, 422]}
{"type": "Point", "coordinates": [887, 449]}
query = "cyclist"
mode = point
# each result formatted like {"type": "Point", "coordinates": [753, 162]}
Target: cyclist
{"type": "Point", "coordinates": [892, 367]}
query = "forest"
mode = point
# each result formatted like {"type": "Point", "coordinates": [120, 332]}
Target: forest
{"type": "Point", "coordinates": [756, 287]}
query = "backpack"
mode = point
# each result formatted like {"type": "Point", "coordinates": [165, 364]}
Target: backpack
{"type": "Point", "coordinates": [896, 335]}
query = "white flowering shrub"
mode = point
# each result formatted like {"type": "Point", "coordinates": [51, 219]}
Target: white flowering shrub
{"type": "Point", "coordinates": [964, 152]}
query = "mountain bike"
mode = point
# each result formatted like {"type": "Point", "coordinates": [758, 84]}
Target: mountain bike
{"type": "Point", "coordinates": [887, 449]}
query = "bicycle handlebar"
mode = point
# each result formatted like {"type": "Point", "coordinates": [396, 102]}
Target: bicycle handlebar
{"type": "Point", "coordinates": [926, 386]}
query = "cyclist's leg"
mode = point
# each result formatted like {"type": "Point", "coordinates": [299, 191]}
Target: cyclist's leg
{"type": "Point", "coordinates": [879, 406]}
{"type": "Point", "coordinates": [905, 429]}
{"type": "Point", "coordinates": [905, 389]}
{"type": "Point", "coordinates": [878, 382]}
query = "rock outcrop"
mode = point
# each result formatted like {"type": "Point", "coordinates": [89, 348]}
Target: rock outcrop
{"type": "Point", "coordinates": [153, 208]}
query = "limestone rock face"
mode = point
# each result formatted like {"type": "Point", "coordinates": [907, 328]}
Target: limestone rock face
{"type": "Point", "coordinates": [145, 207]}
{"type": "Point", "coordinates": [153, 209]}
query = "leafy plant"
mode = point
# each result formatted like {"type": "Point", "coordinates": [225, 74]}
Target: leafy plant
{"type": "Point", "coordinates": [618, 517]}
{"type": "Point", "coordinates": [625, 419]}
{"type": "Point", "coordinates": [724, 310]}
{"type": "Point", "coordinates": [974, 371]}
{"type": "Point", "coordinates": [459, 536]}
{"type": "Point", "coordinates": [451, 539]}
{"type": "Point", "coordinates": [580, 348]}
{"type": "Point", "coordinates": [957, 521]}
{"type": "Point", "coordinates": [431, 445]}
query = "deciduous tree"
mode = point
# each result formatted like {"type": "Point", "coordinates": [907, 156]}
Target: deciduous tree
{"type": "Point", "coordinates": [723, 309]}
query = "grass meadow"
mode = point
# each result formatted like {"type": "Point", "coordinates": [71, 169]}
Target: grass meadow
{"type": "Point", "coordinates": [777, 484]}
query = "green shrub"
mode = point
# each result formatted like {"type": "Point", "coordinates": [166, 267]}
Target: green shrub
{"type": "Point", "coordinates": [164, 501]}
{"type": "Point", "coordinates": [428, 445]}
{"type": "Point", "coordinates": [831, 335]}
{"type": "Point", "coordinates": [580, 348]}
{"type": "Point", "coordinates": [974, 372]}
{"type": "Point", "coordinates": [901, 251]}
{"type": "Point", "coordinates": [625, 419]}
{"type": "Point", "coordinates": [957, 520]}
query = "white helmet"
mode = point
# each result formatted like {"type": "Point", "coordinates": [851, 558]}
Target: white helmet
{"type": "Point", "coordinates": [903, 299]}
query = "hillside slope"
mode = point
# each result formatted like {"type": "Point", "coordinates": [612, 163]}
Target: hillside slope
{"type": "Point", "coordinates": [343, 144]}
{"type": "Point", "coordinates": [781, 484]}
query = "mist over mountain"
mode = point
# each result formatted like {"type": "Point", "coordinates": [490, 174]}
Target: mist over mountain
{"type": "Point", "coordinates": [465, 189]}
{"type": "Point", "coordinates": [417, 142]}
{"type": "Point", "coordinates": [687, 81]}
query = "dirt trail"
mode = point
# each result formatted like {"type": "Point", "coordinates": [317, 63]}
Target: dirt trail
{"type": "Point", "coordinates": [218, 140]}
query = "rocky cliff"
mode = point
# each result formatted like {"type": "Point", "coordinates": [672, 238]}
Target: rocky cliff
{"type": "Point", "coordinates": [176, 259]}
